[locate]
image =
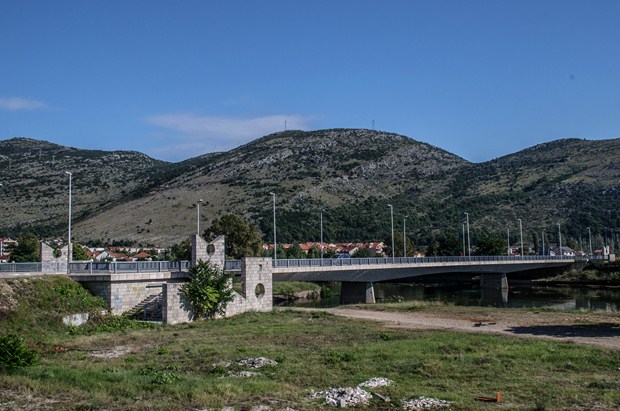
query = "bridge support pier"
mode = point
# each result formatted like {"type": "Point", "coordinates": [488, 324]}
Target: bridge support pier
{"type": "Point", "coordinates": [355, 293]}
{"type": "Point", "coordinates": [492, 280]}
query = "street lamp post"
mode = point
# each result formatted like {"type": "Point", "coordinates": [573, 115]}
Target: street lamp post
{"type": "Point", "coordinates": [590, 239]}
{"type": "Point", "coordinates": [543, 241]}
{"type": "Point", "coordinates": [508, 241]}
{"type": "Point", "coordinates": [198, 216]}
{"type": "Point", "coordinates": [392, 221]}
{"type": "Point", "coordinates": [275, 252]}
{"type": "Point", "coordinates": [521, 234]}
{"type": "Point", "coordinates": [69, 245]}
{"type": "Point", "coordinates": [405, 237]}
{"type": "Point", "coordinates": [468, 239]}
{"type": "Point", "coordinates": [560, 239]}
{"type": "Point", "coordinates": [463, 239]}
{"type": "Point", "coordinates": [321, 237]}
{"type": "Point", "coordinates": [1, 243]}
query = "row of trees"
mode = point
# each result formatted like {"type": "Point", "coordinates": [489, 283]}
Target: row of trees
{"type": "Point", "coordinates": [244, 240]}
{"type": "Point", "coordinates": [28, 250]}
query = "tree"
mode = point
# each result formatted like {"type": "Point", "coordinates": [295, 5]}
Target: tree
{"type": "Point", "coordinates": [79, 253]}
{"type": "Point", "coordinates": [181, 251]}
{"type": "Point", "coordinates": [444, 246]}
{"type": "Point", "coordinates": [490, 245]}
{"type": "Point", "coordinates": [398, 245]}
{"type": "Point", "coordinates": [314, 252]}
{"type": "Point", "coordinates": [208, 290]}
{"type": "Point", "coordinates": [295, 251]}
{"type": "Point", "coordinates": [242, 239]}
{"type": "Point", "coordinates": [362, 252]}
{"type": "Point", "coordinates": [26, 250]}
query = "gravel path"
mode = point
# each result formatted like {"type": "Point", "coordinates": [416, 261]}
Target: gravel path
{"type": "Point", "coordinates": [591, 329]}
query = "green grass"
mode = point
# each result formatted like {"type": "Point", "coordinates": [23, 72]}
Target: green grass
{"type": "Point", "coordinates": [291, 287]}
{"type": "Point", "coordinates": [37, 305]}
{"type": "Point", "coordinates": [171, 367]}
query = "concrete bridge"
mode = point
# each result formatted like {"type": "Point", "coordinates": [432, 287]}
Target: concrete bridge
{"type": "Point", "coordinates": [123, 285]}
{"type": "Point", "coordinates": [358, 274]}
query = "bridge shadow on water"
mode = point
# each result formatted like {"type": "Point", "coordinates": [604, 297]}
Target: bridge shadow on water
{"type": "Point", "coordinates": [568, 331]}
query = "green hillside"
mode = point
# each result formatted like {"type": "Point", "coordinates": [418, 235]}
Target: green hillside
{"type": "Point", "coordinates": [351, 175]}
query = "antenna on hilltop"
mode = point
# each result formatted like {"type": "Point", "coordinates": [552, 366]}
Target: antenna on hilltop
{"type": "Point", "coordinates": [285, 128]}
{"type": "Point", "coordinates": [373, 124]}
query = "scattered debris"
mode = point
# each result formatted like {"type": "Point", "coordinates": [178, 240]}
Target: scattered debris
{"type": "Point", "coordinates": [256, 362]}
{"type": "Point", "coordinates": [224, 364]}
{"type": "Point", "coordinates": [481, 324]}
{"type": "Point", "coordinates": [425, 403]}
{"type": "Point", "coordinates": [245, 374]}
{"type": "Point", "coordinates": [381, 397]}
{"type": "Point", "coordinates": [497, 398]}
{"type": "Point", "coordinates": [376, 382]}
{"type": "Point", "coordinates": [344, 396]}
{"type": "Point", "coordinates": [111, 353]}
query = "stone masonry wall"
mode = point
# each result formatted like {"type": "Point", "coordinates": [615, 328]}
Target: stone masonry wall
{"type": "Point", "coordinates": [214, 251]}
{"type": "Point", "coordinates": [49, 263]}
{"type": "Point", "coordinates": [122, 292]}
{"type": "Point", "coordinates": [256, 286]}
{"type": "Point", "coordinates": [174, 310]}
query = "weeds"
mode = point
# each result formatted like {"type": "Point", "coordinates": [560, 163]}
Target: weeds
{"type": "Point", "coordinates": [14, 353]}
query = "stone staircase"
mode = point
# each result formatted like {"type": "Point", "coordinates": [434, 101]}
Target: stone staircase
{"type": "Point", "coordinates": [148, 309]}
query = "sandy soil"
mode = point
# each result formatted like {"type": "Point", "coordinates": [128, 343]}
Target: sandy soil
{"type": "Point", "coordinates": [591, 329]}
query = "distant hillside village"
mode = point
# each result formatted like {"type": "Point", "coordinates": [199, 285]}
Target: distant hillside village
{"type": "Point", "coordinates": [303, 250]}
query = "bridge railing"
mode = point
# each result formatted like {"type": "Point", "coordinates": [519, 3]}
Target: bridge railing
{"type": "Point", "coordinates": [21, 267]}
{"type": "Point", "coordinates": [235, 265]}
{"type": "Point", "coordinates": [340, 262]}
{"type": "Point", "coordinates": [127, 266]}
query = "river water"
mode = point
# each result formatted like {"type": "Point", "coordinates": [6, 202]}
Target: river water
{"type": "Point", "coordinates": [463, 294]}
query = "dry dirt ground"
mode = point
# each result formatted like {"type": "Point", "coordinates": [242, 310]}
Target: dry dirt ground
{"type": "Point", "coordinates": [602, 330]}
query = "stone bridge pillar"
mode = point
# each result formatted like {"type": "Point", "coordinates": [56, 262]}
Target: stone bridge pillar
{"type": "Point", "coordinates": [355, 293]}
{"type": "Point", "coordinates": [492, 280]}
{"type": "Point", "coordinates": [213, 251]}
{"type": "Point", "coordinates": [50, 262]}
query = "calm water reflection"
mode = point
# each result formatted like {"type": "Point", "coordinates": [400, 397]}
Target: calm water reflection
{"type": "Point", "coordinates": [566, 298]}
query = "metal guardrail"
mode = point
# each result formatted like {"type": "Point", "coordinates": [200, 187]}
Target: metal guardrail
{"type": "Point", "coordinates": [80, 267]}
{"type": "Point", "coordinates": [232, 265]}
{"type": "Point", "coordinates": [340, 262]}
{"type": "Point", "coordinates": [23, 267]}
{"type": "Point", "coordinates": [127, 266]}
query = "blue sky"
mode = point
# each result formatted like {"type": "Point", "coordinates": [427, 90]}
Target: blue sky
{"type": "Point", "coordinates": [175, 80]}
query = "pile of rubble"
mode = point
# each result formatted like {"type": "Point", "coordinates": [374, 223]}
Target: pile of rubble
{"type": "Point", "coordinates": [376, 382]}
{"type": "Point", "coordinates": [256, 362]}
{"type": "Point", "coordinates": [344, 396]}
{"type": "Point", "coordinates": [246, 374]}
{"type": "Point", "coordinates": [424, 403]}
{"type": "Point", "coordinates": [351, 396]}
{"type": "Point", "coordinates": [246, 362]}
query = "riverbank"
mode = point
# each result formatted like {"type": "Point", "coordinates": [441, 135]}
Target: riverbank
{"type": "Point", "coordinates": [596, 273]}
{"type": "Point", "coordinates": [445, 352]}
{"type": "Point", "coordinates": [592, 328]}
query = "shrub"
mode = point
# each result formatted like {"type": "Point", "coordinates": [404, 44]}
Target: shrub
{"type": "Point", "coordinates": [14, 353]}
{"type": "Point", "coordinates": [208, 290]}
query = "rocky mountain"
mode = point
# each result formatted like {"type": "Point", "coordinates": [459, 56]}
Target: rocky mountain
{"type": "Point", "coordinates": [350, 175]}
{"type": "Point", "coordinates": [35, 187]}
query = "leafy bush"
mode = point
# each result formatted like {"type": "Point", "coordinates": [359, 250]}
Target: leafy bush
{"type": "Point", "coordinates": [14, 353]}
{"type": "Point", "coordinates": [208, 291]}
{"type": "Point", "coordinates": [72, 297]}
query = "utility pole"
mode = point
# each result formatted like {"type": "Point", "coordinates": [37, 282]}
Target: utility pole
{"type": "Point", "coordinates": [392, 220]}
{"type": "Point", "coordinates": [468, 239]}
{"type": "Point", "coordinates": [275, 251]}
{"type": "Point", "coordinates": [69, 245]}
{"type": "Point", "coordinates": [198, 219]}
